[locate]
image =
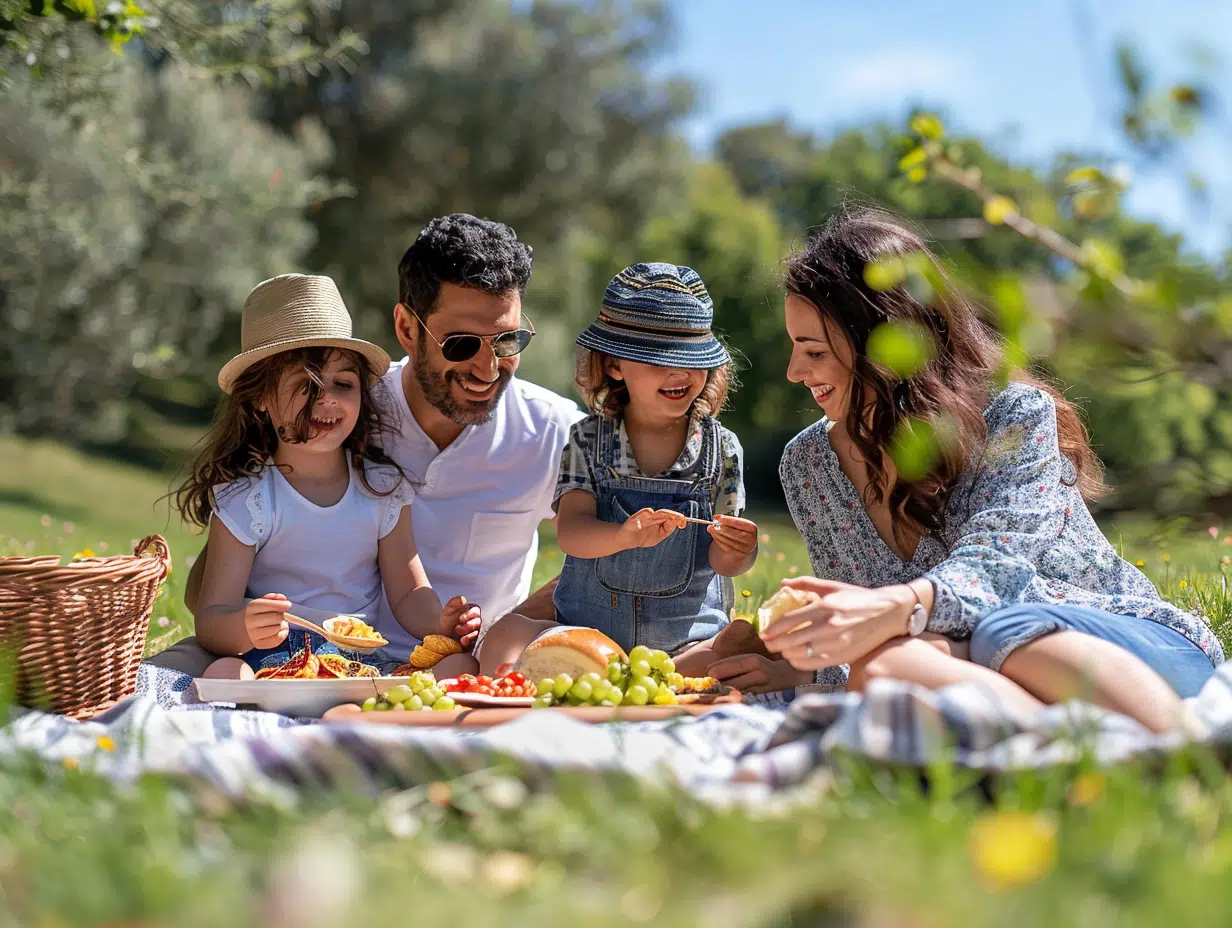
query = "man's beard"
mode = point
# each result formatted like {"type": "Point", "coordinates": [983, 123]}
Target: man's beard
{"type": "Point", "coordinates": [436, 390]}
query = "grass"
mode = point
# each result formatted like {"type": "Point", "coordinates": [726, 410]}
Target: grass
{"type": "Point", "coordinates": [1082, 846]}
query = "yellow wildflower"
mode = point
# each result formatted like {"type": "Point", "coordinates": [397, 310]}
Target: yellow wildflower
{"type": "Point", "coordinates": [70, 763]}
{"type": "Point", "coordinates": [84, 552]}
{"type": "Point", "coordinates": [1013, 848]}
{"type": "Point", "coordinates": [1167, 558]}
{"type": "Point", "coordinates": [746, 593]}
{"type": "Point", "coordinates": [1139, 563]}
{"type": "Point", "coordinates": [106, 743]}
{"type": "Point", "coordinates": [1184, 584]}
{"type": "Point", "coordinates": [1087, 788]}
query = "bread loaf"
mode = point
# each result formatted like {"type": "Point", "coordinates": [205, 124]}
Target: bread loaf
{"type": "Point", "coordinates": [570, 650]}
{"type": "Point", "coordinates": [784, 601]}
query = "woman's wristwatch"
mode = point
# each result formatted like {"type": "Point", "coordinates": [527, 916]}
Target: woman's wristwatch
{"type": "Point", "coordinates": [917, 621]}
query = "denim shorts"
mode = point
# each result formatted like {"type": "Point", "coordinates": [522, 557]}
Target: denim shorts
{"type": "Point", "coordinates": [1169, 653]}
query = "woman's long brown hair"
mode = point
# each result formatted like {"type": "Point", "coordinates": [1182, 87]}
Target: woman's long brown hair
{"type": "Point", "coordinates": [952, 390]}
{"type": "Point", "coordinates": [243, 439]}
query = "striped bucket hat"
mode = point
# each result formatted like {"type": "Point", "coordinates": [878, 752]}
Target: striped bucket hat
{"type": "Point", "coordinates": [657, 314]}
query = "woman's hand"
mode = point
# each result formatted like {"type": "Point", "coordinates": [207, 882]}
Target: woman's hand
{"type": "Point", "coordinates": [647, 527]}
{"type": "Point", "coordinates": [461, 621]}
{"type": "Point", "coordinates": [736, 538]}
{"type": "Point", "coordinates": [845, 624]}
{"type": "Point", "coordinates": [264, 622]}
{"type": "Point", "coordinates": [753, 673]}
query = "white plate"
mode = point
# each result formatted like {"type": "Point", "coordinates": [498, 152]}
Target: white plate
{"type": "Point", "coordinates": [300, 698]}
{"type": "Point", "coordinates": [480, 699]}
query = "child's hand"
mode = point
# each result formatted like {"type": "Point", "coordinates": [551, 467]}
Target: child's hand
{"type": "Point", "coordinates": [264, 622]}
{"type": "Point", "coordinates": [461, 621]}
{"type": "Point", "coordinates": [736, 537]}
{"type": "Point", "coordinates": [647, 527]}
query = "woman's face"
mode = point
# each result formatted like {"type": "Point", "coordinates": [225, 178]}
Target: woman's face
{"type": "Point", "coordinates": [821, 357]}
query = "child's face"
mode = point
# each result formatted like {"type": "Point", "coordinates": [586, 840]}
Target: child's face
{"type": "Point", "coordinates": [658, 392]}
{"type": "Point", "coordinates": [821, 358]}
{"type": "Point", "coordinates": [335, 411]}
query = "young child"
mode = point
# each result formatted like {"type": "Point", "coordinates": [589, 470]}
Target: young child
{"type": "Point", "coordinates": [302, 507]}
{"type": "Point", "coordinates": [655, 376]}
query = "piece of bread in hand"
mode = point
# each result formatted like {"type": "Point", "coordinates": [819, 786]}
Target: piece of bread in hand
{"type": "Point", "coordinates": [784, 601]}
{"type": "Point", "coordinates": [570, 650]}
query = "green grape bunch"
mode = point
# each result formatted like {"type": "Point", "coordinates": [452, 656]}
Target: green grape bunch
{"type": "Point", "coordinates": [420, 693]}
{"type": "Point", "coordinates": [648, 677]}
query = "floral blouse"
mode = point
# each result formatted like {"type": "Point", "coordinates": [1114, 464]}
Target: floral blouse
{"type": "Point", "coordinates": [1017, 531]}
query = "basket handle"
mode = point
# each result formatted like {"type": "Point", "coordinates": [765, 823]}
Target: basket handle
{"type": "Point", "coordinates": [156, 545]}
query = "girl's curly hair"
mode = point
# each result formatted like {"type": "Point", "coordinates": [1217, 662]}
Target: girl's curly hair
{"type": "Point", "coordinates": [243, 439]}
{"type": "Point", "coordinates": [608, 396]}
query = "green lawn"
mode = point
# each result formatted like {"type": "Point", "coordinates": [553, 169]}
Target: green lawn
{"type": "Point", "coordinates": [1122, 847]}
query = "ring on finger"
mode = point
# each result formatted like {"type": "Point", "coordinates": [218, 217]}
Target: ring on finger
{"type": "Point", "coordinates": [808, 651]}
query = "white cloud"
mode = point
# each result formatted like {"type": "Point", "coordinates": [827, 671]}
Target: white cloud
{"type": "Point", "coordinates": [896, 75]}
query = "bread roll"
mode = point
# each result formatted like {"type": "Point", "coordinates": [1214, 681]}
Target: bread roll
{"type": "Point", "coordinates": [570, 650]}
{"type": "Point", "coordinates": [784, 601]}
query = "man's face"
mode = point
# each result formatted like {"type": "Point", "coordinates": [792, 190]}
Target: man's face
{"type": "Point", "coordinates": [466, 392]}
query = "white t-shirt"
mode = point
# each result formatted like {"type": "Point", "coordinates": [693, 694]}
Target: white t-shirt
{"type": "Point", "coordinates": [323, 557]}
{"type": "Point", "coordinates": [476, 515]}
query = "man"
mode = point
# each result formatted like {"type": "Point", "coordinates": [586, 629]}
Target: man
{"type": "Point", "coordinates": [482, 446]}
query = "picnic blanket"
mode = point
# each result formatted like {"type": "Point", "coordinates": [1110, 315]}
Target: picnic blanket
{"type": "Point", "coordinates": [734, 753]}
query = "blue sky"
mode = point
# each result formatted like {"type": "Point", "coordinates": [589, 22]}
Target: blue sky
{"type": "Point", "coordinates": [1012, 71]}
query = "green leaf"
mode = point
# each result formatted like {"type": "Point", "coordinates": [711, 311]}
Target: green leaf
{"type": "Point", "coordinates": [85, 7]}
{"type": "Point", "coordinates": [928, 126]}
{"type": "Point", "coordinates": [904, 347]}
{"type": "Point", "coordinates": [914, 158]}
{"type": "Point", "coordinates": [1103, 258]}
{"type": "Point", "coordinates": [917, 175]}
{"type": "Point", "coordinates": [885, 273]}
{"type": "Point", "coordinates": [914, 449]}
{"type": "Point", "coordinates": [1009, 299]}
{"type": "Point", "coordinates": [999, 208]}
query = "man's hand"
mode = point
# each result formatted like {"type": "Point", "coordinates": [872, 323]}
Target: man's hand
{"type": "Point", "coordinates": [461, 621]}
{"type": "Point", "coordinates": [647, 527]}
{"type": "Point", "coordinates": [753, 673]}
{"type": "Point", "coordinates": [264, 622]}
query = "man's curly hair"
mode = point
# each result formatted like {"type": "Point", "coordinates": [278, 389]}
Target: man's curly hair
{"type": "Point", "coordinates": [466, 251]}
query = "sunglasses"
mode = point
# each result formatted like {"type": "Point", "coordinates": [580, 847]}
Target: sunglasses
{"type": "Point", "coordinates": [463, 347]}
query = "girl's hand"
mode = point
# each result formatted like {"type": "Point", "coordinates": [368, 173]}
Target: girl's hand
{"type": "Point", "coordinates": [461, 621]}
{"type": "Point", "coordinates": [264, 622]}
{"type": "Point", "coordinates": [753, 673]}
{"type": "Point", "coordinates": [847, 623]}
{"type": "Point", "coordinates": [647, 527]}
{"type": "Point", "coordinates": [736, 537]}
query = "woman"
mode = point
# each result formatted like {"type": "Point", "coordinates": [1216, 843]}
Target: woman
{"type": "Point", "coordinates": [990, 568]}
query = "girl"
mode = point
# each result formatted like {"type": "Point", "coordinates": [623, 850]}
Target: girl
{"type": "Point", "coordinates": [993, 555]}
{"type": "Point", "coordinates": [303, 509]}
{"type": "Point", "coordinates": [654, 376]}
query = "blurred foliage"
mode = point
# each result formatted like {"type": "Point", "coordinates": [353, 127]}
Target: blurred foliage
{"type": "Point", "coordinates": [162, 157]}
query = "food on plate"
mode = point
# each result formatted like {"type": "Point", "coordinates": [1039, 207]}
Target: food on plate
{"type": "Point", "coordinates": [348, 626]}
{"type": "Point", "coordinates": [510, 684]}
{"type": "Point", "coordinates": [645, 677]}
{"type": "Point", "coordinates": [304, 665]}
{"type": "Point", "coordinates": [784, 601]}
{"type": "Point", "coordinates": [432, 650]}
{"type": "Point", "coordinates": [571, 651]}
{"type": "Point", "coordinates": [419, 693]}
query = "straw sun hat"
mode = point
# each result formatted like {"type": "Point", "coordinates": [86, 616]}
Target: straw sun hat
{"type": "Point", "coordinates": [295, 311]}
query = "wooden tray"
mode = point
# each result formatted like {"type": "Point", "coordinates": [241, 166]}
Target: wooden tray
{"type": "Point", "coordinates": [486, 718]}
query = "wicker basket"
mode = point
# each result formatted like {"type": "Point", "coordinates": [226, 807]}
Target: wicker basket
{"type": "Point", "coordinates": [78, 630]}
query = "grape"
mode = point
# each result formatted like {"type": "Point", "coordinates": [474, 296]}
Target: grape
{"type": "Point", "coordinates": [444, 704]}
{"type": "Point", "coordinates": [582, 690]}
{"type": "Point", "coordinates": [592, 678]}
{"type": "Point", "coordinates": [639, 668]}
{"type": "Point", "coordinates": [675, 680]}
{"type": "Point", "coordinates": [546, 687]}
{"type": "Point", "coordinates": [637, 695]}
{"type": "Point", "coordinates": [383, 706]}
{"type": "Point", "coordinates": [639, 653]}
{"type": "Point", "coordinates": [544, 702]}
{"type": "Point", "coordinates": [667, 667]}
{"type": "Point", "coordinates": [615, 673]}
{"type": "Point", "coordinates": [428, 696]}
{"type": "Point", "coordinates": [648, 684]}
{"type": "Point", "coordinates": [399, 694]}
{"type": "Point", "coordinates": [369, 704]}
{"type": "Point", "coordinates": [563, 684]}
{"type": "Point", "coordinates": [656, 659]}
{"type": "Point", "coordinates": [418, 684]}
{"type": "Point", "coordinates": [665, 698]}
{"type": "Point", "coordinates": [615, 696]}
{"type": "Point", "coordinates": [415, 703]}
{"type": "Point", "coordinates": [398, 707]}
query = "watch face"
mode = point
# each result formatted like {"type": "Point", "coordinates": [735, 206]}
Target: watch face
{"type": "Point", "coordinates": [919, 620]}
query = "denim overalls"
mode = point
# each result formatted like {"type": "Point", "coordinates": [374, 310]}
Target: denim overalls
{"type": "Point", "coordinates": [665, 597]}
